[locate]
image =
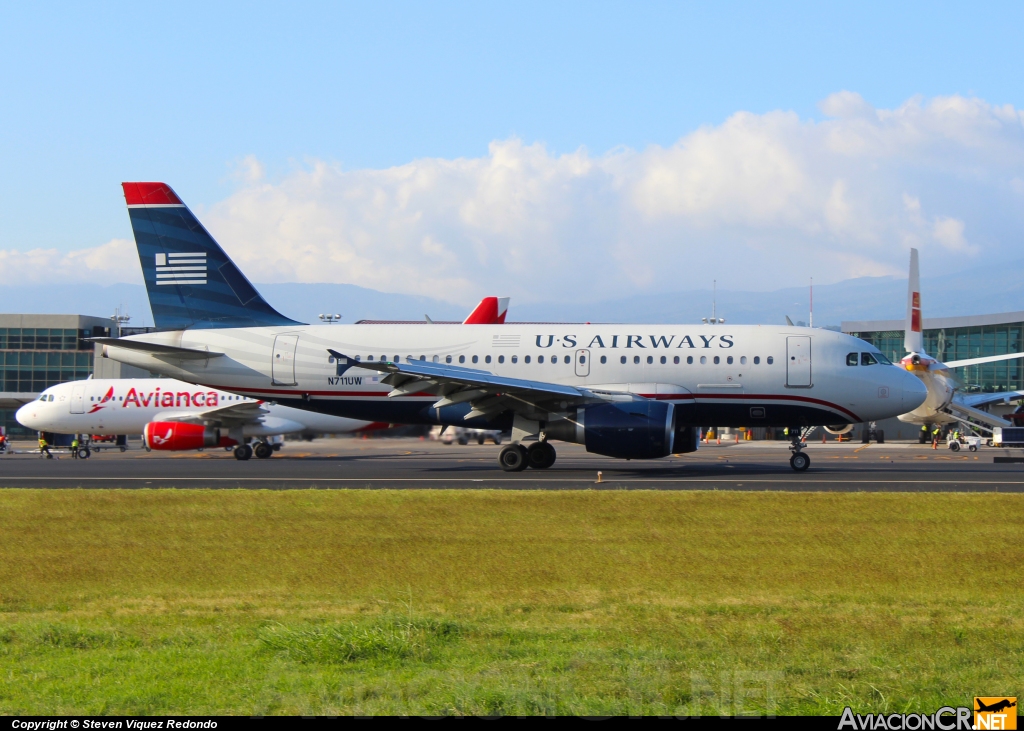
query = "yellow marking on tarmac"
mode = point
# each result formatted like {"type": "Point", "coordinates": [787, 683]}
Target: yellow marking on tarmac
{"type": "Point", "coordinates": [860, 448]}
{"type": "Point", "coordinates": [853, 457]}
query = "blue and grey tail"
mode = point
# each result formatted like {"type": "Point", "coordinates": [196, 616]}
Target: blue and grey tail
{"type": "Point", "coordinates": [191, 282]}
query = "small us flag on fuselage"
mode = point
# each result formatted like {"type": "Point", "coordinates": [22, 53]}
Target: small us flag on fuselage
{"type": "Point", "coordinates": [180, 268]}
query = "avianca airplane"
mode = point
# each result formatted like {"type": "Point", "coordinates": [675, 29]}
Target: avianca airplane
{"type": "Point", "coordinates": [946, 403]}
{"type": "Point", "coordinates": [628, 391]}
{"type": "Point", "coordinates": [172, 415]}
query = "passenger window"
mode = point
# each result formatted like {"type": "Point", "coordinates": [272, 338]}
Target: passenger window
{"type": "Point", "coordinates": [703, 360]}
{"type": "Point", "coordinates": [423, 357]}
{"type": "Point", "coordinates": [743, 360]}
{"type": "Point", "coordinates": [717, 360]}
{"type": "Point", "coordinates": [689, 360]}
{"type": "Point", "coordinates": [867, 359]}
{"type": "Point", "coordinates": [476, 358]}
{"type": "Point", "coordinates": [540, 358]}
{"type": "Point", "coordinates": [526, 359]}
{"type": "Point", "coordinates": [604, 359]}
{"type": "Point", "coordinates": [664, 360]}
{"type": "Point", "coordinates": [729, 360]}
{"type": "Point", "coordinates": [462, 359]}
{"type": "Point", "coordinates": [501, 359]}
{"type": "Point", "coordinates": [650, 359]}
{"type": "Point", "coordinates": [636, 359]}
{"type": "Point", "coordinates": [568, 360]}
{"type": "Point", "coordinates": [487, 359]}
{"type": "Point", "coordinates": [622, 360]}
{"type": "Point", "coordinates": [447, 359]}
{"type": "Point", "coordinates": [583, 359]}
{"type": "Point", "coordinates": [770, 360]}
{"type": "Point", "coordinates": [369, 357]}
{"type": "Point", "coordinates": [757, 360]}
{"type": "Point", "coordinates": [359, 358]}
{"type": "Point", "coordinates": [436, 359]}
{"type": "Point", "coordinates": [851, 359]}
{"type": "Point", "coordinates": [676, 360]}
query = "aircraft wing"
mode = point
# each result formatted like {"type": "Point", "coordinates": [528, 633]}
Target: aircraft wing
{"type": "Point", "coordinates": [225, 416]}
{"type": "Point", "coordinates": [985, 359]}
{"type": "Point", "coordinates": [487, 393]}
{"type": "Point", "coordinates": [983, 399]}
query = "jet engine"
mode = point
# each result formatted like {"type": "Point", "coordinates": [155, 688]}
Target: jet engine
{"type": "Point", "coordinates": [837, 430]}
{"type": "Point", "coordinates": [177, 435]}
{"type": "Point", "coordinates": [630, 430]}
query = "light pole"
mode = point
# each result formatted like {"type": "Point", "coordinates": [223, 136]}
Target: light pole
{"type": "Point", "coordinates": [331, 319]}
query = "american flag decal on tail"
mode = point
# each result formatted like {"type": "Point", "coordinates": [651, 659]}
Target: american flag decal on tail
{"type": "Point", "coordinates": [181, 268]}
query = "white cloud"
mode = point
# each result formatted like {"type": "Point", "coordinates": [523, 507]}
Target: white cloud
{"type": "Point", "coordinates": [760, 201]}
{"type": "Point", "coordinates": [115, 261]}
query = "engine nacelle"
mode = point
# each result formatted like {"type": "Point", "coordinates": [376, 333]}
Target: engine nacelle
{"type": "Point", "coordinates": [837, 430]}
{"type": "Point", "coordinates": [626, 430]}
{"type": "Point", "coordinates": [175, 436]}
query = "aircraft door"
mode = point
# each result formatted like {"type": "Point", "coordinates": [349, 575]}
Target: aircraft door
{"type": "Point", "coordinates": [78, 399]}
{"type": "Point", "coordinates": [283, 365]}
{"type": "Point", "coordinates": [583, 363]}
{"type": "Point", "coordinates": [798, 361]}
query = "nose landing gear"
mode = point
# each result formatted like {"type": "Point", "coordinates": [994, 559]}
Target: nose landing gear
{"type": "Point", "coordinates": [799, 461]}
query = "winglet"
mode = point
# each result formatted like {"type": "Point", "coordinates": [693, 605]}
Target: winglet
{"type": "Point", "coordinates": [913, 340]}
{"type": "Point", "coordinates": [490, 311]}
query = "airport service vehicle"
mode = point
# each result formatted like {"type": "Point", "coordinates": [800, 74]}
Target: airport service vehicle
{"type": "Point", "coordinates": [946, 402]}
{"type": "Point", "coordinates": [173, 415]}
{"type": "Point", "coordinates": [464, 435]}
{"type": "Point", "coordinates": [626, 391]}
{"type": "Point", "coordinates": [970, 442]}
{"type": "Point", "coordinates": [1007, 436]}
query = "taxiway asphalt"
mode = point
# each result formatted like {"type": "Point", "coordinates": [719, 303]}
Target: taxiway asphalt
{"type": "Point", "coordinates": [417, 464]}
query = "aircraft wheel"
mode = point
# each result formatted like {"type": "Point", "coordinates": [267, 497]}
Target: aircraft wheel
{"type": "Point", "coordinates": [954, 446]}
{"type": "Point", "coordinates": [84, 453]}
{"type": "Point", "coordinates": [540, 455]}
{"type": "Point", "coordinates": [243, 452]}
{"type": "Point", "coordinates": [512, 458]}
{"type": "Point", "coordinates": [263, 450]}
{"type": "Point", "coordinates": [800, 462]}
{"type": "Point", "coordinates": [479, 440]}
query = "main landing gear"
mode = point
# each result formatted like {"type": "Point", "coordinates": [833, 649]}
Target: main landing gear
{"type": "Point", "coordinates": [516, 457]}
{"type": "Point", "coordinates": [799, 461]}
{"type": "Point", "coordinates": [262, 450]}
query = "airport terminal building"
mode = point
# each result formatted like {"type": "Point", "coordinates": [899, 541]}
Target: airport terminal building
{"type": "Point", "coordinates": [39, 351]}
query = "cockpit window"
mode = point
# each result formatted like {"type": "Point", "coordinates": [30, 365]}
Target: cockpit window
{"type": "Point", "coordinates": [882, 359]}
{"type": "Point", "coordinates": [851, 359]}
{"type": "Point", "coordinates": [43, 398]}
{"type": "Point", "coordinates": [867, 359]}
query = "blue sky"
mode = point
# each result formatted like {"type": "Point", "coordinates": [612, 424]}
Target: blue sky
{"type": "Point", "coordinates": [94, 94]}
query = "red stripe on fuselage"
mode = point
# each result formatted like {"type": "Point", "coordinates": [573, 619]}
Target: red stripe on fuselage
{"type": "Point", "coordinates": [654, 396]}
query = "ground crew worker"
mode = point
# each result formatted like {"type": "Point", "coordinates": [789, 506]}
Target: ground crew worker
{"type": "Point", "coordinates": [74, 447]}
{"type": "Point", "coordinates": [44, 447]}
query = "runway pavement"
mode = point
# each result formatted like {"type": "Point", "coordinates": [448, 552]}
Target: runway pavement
{"type": "Point", "coordinates": [418, 464]}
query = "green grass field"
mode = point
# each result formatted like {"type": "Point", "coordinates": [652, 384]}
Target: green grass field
{"type": "Point", "coordinates": [475, 602]}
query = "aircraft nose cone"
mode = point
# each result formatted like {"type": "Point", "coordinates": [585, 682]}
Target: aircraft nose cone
{"type": "Point", "coordinates": [26, 416]}
{"type": "Point", "coordinates": [914, 391]}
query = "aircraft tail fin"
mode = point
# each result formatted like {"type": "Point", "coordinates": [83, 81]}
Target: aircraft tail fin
{"type": "Point", "coordinates": [913, 340]}
{"type": "Point", "coordinates": [490, 311]}
{"type": "Point", "coordinates": [190, 280]}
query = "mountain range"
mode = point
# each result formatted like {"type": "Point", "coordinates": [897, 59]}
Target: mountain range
{"type": "Point", "coordinates": [974, 291]}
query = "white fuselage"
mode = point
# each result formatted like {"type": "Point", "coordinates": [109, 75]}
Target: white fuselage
{"type": "Point", "coordinates": [125, 406]}
{"type": "Point", "coordinates": [747, 375]}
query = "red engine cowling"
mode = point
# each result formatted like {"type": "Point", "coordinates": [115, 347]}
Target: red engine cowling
{"type": "Point", "coordinates": [175, 436]}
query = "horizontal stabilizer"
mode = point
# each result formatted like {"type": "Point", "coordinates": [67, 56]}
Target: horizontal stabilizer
{"type": "Point", "coordinates": [155, 348]}
{"type": "Point", "coordinates": [980, 361]}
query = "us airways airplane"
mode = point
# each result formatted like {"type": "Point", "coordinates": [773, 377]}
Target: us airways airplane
{"type": "Point", "coordinates": [626, 391]}
{"type": "Point", "coordinates": [172, 415]}
{"type": "Point", "coordinates": [946, 403]}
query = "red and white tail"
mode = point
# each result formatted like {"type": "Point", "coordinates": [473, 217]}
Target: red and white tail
{"type": "Point", "coordinates": [913, 340]}
{"type": "Point", "coordinates": [490, 311]}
